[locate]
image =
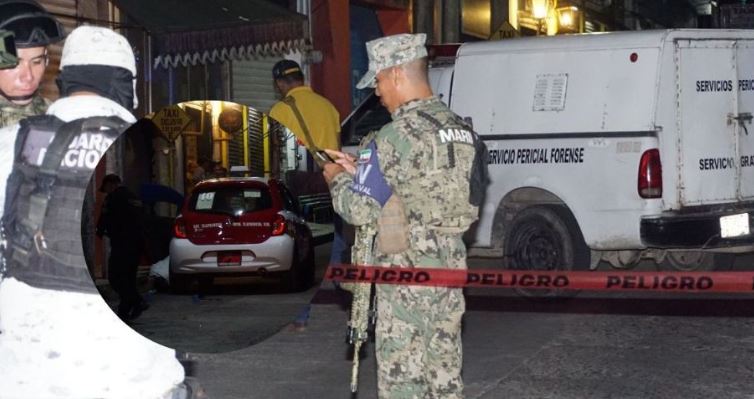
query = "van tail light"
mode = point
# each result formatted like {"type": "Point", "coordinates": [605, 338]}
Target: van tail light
{"type": "Point", "coordinates": [179, 228]}
{"type": "Point", "coordinates": [279, 226]}
{"type": "Point", "coordinates": [650, 174]}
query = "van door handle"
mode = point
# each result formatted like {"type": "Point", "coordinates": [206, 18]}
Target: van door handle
{"type": "Point", "coordinates": [742, 119]}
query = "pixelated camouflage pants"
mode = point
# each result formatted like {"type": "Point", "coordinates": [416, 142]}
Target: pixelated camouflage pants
{"type": "Point", "coordinates": [418, 331]}
{"type": "Point", "coordinates": [418, 338]}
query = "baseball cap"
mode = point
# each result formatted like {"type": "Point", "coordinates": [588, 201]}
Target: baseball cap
{"type": "Point", "coordinates": [284, 68]}
{"type": "Point", "coordinates": [111, 178]}
{"type": "Point", "coordinates": [390, 51]}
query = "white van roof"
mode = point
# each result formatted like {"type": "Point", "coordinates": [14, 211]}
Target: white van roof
{"type": "Point", "coordinates": [600, 40]}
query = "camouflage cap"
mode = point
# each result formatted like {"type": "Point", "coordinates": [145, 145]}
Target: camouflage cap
{"type": "Point", "coordinates": [390, 51]}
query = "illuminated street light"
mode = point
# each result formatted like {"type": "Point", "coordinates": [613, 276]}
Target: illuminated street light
{"type": "Point", "coordinates": [569, 19]}
{"type": "Point", "coordinates": [567, 16]}
{"type": "Point", "coordinates": [539, 9]}
{"type": "Point", "coordinates": [543, 12]}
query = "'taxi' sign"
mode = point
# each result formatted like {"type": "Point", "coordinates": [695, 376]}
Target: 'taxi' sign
{"type": "Point", "coordinates": [171, 121]}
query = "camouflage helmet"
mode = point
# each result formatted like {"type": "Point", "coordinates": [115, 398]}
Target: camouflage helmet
{"type": "Point", "coordinates": [8, 57]}
{"type": "Point", "coordinates": [390, 51]}
{"type": "Point", "coordinates": [31, 24]}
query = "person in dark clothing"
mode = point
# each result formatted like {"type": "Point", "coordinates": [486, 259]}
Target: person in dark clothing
{"type": "Point", "coordinates": [120, 220]}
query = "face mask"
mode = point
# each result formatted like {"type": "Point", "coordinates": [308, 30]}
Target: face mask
{"type": "Point", "coordinates": [115, 83]}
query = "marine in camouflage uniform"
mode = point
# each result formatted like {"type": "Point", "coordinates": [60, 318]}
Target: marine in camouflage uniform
{"type": "Point", "coordinates": [424, 157]}
{"type": "Point", "coordinates": [11, 113]}
{"type": "Point", "coordinates": [34, 29]}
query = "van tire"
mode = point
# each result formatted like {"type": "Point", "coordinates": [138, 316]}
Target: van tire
{"type": "Point", "coordinates": [696, 261]}
{"type": "Point", "coordinates": [545, 237]}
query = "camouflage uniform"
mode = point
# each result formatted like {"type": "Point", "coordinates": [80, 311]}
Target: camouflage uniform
{"type": "Point", "coordinates": [424, 156]}
{"type": "Point", "coordinates": [11, 113]}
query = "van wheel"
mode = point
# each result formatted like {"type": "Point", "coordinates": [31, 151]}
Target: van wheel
{"type": "Point", "coordinates": [699, 261]}
{"type": "Point", "coordinates": [545, 238]}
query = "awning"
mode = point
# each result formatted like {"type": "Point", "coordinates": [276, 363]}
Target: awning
{"type": "Point", "coordinates": [205, 31]}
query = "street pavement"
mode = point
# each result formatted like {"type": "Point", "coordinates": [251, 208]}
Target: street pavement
{"type": "Point", "coordinates": [596, 345]}
{"type": "Point", "coordinates": [514, 351]}
{"type": "Point", "coordinates": [542, 352]}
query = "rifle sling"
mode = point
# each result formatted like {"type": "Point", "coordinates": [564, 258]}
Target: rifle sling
{"type": "Point", "coordinates": [291, 102]}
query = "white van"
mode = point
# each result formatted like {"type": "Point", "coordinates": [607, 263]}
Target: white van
{"type": "Point", "coordinates": [615, 146]}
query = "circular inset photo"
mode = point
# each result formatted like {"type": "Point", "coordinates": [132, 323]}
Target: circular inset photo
{"type": "Point", "coordinates": [203, 229]}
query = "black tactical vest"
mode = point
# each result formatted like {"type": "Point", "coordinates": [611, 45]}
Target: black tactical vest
{"type": "Point", "coordinates": [52, 167]}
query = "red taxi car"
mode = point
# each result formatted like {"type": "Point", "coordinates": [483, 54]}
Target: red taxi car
{"type": "Point", "coordinates": [240, 226]}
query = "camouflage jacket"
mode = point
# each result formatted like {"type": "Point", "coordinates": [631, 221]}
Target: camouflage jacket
{"type": "Point", "coordinates": [11, 113]}
{"type": "Point", "coordinates": [425, 157]}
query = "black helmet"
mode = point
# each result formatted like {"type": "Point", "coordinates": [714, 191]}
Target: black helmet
{"type": "Point", "coordinates": [32, 25]}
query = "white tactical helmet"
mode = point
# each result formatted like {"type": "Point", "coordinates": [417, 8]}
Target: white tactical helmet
{"type": "Point", "coordinates": [94, 45]}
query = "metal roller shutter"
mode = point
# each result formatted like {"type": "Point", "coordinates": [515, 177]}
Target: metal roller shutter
{"type": "Point", "coordinates": [256, 143]}
{"type": "Point", "coordinates": [252, 83]}
{"type": "Point", "coordinates": [235, 151]}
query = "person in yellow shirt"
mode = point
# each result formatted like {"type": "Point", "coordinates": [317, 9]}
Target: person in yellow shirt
{"type": "Point", "coordinates": [318, 126]}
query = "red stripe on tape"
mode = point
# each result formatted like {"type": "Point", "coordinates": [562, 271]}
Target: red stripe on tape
{"type": "Point", "coordinates": [566, 280]}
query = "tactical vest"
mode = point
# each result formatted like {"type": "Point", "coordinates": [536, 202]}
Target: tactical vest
{"type": "Point", "coordinates": [457, 174]}
{"type": "Point", "coordinates": [53, 165]}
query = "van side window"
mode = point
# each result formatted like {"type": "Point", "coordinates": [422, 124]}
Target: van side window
{"type": "Point", "coordinates": [370, 115]}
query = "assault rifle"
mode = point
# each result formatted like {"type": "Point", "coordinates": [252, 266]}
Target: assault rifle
{"type": "Point", "coordinates": [362, 305]}
{"type": "Point", "coordinates": [362, 316]}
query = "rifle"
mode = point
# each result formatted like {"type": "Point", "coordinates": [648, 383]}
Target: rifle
{"type": "Point", "coordinates": [362, 315]}
{"type": "Point", "coordinates": [363, 304]}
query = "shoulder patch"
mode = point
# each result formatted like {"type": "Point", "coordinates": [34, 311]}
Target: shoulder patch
{"type": "Point", "coordinates": [369, 179]}
{"type": "Point", "coordinates": [456, 136]}
{"type": "Point", "coordinates": [365, 155]}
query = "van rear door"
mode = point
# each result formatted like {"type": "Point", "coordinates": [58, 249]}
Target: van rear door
{"type": "Point", "coordinates": [713, 103]}
{"type": "Point", "coordinates": [742, 117]}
